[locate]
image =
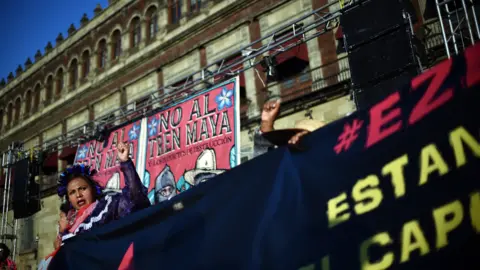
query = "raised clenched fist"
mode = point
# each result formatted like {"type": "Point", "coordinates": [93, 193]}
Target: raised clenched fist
{"type": "Point", "coordinates": [269, 115]}
{"type": "Point", "coordinates": [123, 151]}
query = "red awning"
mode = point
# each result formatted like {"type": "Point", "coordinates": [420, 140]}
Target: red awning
{"type": "Point", "coordinates": [51, 161]}
{"type": "Point", "coordinates": [339, 33]}
{"type": "Point", "coordinates": [235, 68]}
{"type": "Point", "coordinates": [300, 51]}
{"type": "Point", "coordinates": [68, 152]}
{"type": "Point", "coordinates": [3, 176]}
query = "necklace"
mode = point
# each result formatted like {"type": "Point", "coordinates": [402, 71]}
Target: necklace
{"type": "Point", "coordinates": [72, 217]}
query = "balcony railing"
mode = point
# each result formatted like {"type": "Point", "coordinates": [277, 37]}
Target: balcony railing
{"type": "Point", "coordinates": [315, 79]}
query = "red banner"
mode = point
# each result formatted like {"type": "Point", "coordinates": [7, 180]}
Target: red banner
{"type": "Point", "coordinates": [193, 141]}
{"type": "Point", "coordinates": [177, 148]}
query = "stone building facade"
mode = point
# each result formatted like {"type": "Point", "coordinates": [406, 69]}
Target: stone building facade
{"type": "Point", "coordinates": [135, 47]}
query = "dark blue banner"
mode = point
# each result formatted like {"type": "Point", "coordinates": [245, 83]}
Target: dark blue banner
{"type": "Point", "coordinates": [393, 187]}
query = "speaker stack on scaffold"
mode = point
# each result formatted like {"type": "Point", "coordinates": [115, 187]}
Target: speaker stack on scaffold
{"type": "Point", "coordinates": [378, 40]}
{"type": "Point", "coordinates": [26, 197]}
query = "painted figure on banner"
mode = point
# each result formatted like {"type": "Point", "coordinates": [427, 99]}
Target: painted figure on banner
{"type": "Point", "coordinates": [205, 168]}
{"type": "Point", "coordinates": [165, 185]}
{"type": "Point", "coordinates": [193, 140]}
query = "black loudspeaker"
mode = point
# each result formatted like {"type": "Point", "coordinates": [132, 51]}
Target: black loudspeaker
{"type": "Point", "coordinates": [374, 17]}
{"type": "Point", "coordinates": [374, 93]}
{"type": "Point", "coordinates": [376, 60]}
{"type": "Point", "coordinates": [380, 48]}
{"type": "Point", "coordinates": [26, 199]}
{"type": "Point", "coordinates": [369, 19]}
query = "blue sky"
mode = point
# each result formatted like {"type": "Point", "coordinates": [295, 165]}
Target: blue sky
{"type": "Point", "coordinates": [27, 25]}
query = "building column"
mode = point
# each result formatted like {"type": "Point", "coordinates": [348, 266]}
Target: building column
{"type": "Point", "coordinates": [43, 98]}
{"type": "Point", "coordinates": [327, 50]}
{"type": "Point", "coordinates": [65, 82]}
{"type": "Point", "coordinates": [91, 112]}
{"type": "Point", "coordinates": [202, 54]}
{"type": "Point", "coordinates": [123, 97]}
{"type": "Point", "coordinates": [62, 164]}
{"type": "Point", "coordinates": [144, 27]}
{"type": "Point", "coordinates": [259, 95]}
{"type": "Point", "coordinates": [314, 57]}
{"type": "Point", "coordinates": [93, 63]}
{"type": "Point", "coordinates": [79, 73]}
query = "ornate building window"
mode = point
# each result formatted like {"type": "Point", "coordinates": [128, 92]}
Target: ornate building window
{"type": "Point", "coordinates": [18, 106]}
{"type": "Point", "coordinates": [136, 32]}
{"type": "Point", "coordinates": [195, 5]}
{"type": "Point", "coordinates": [116, 44]}
{"type": "Point", "coordinates": [9, 114]}
{"type": "Point", "coordinates": [175, 11]}
{"type": "Point", "coordinates": [73, 73]}
{"type": "Point", "coordinates": [152, 22]}
{"type": "Point", "coordinates": [85, 63]}
{"type": "Point", "coordinates": [102, 54]}
{"type": "Point", "coordinates": [60, 82]}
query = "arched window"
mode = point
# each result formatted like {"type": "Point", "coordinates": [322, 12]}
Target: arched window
{"type": "Point", "coordinates": [175, 11]}
{"type": "Point", "coordinates": [60, 82]}
{"type": "Point", "coordinates": [28, 102]}
{"type": "Point", "coordinates": [18, 106]}
{"type": "Point", "coordinates": [36, 97]}
{"type": "Point", "coordinates": [116, 44]}
{"type": "Point", "coordinates": [152, 22]}
{"type": "Point", "coordinates": [73, 73]}
{"type": "Point", "coordinates": [85, 63]}
{"type": "Point", "coordinates": [102, 53]}
{"type": "Point", "coordinates": [136, 32]}
{"type": "Point", "coordinates": [49, 88]}
{"type": "Point", "coordinates": [195, 5]}
{"type": "Point", "coordinates": [9, 114]}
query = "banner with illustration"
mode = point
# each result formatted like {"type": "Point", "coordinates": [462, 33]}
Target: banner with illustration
{"type": "Point", "coordinates": [102, 156]}
{"type": "Point", "coordinates": [193, 141]}
{"type": "Point", "coordinates": [176, 148]}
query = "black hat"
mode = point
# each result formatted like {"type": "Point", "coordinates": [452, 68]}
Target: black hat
{"type": "Point", "coordinates": [4, 251]}
{"type": "Point", "coordinates": [282, 136]}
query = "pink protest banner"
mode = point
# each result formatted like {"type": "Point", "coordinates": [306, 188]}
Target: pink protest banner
{"type": "Point", "coordinates": [193, 140]}
{"type": "Point", "coordinates": [102, 156]}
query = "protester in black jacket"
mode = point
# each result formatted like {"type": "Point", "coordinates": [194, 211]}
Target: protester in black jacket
{"type": "Point", "coordinates": [267, 138]}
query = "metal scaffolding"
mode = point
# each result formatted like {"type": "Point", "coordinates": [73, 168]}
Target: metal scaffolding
{"type": "Point", "coordinates": [303, 29]}
{"type": "Point", "coordinates": [459, 24]}
{"type": "Point", "coordinates": [8, 227]}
